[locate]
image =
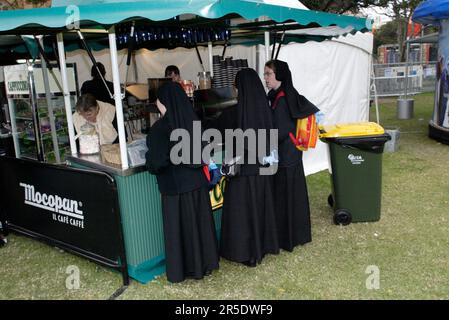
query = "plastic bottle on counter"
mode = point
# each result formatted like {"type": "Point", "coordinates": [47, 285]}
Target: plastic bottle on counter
{"type": "Point", "coordinates": [204, 80]}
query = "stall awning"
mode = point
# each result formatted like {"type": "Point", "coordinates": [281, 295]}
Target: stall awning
{"type": "Point", "coordinates": [431, 12]}
{"type": "Point", "coordinates": [161, 16]}
{"type": "Point", "coordinates": [109, 12]}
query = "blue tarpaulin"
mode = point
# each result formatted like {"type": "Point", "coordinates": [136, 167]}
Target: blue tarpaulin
{"type": "Point", "coordinates": [431, 12]}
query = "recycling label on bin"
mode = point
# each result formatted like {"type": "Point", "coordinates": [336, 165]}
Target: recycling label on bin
{"type": "Point", "coordinates": [355, 160]}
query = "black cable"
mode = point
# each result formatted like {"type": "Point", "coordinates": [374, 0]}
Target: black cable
{"type": "Point", "coordinates": [274, 45]}
{"type": "Point", "coordinates": [55, 51]}
{"type": "Point", "coordinates": [118, 292]}
{"type": "Point", "coordinates": [279, 46]}
{"type": "Point", "coordinates": [199, 56]}
{"type": "Point", "coordinates": [131, 44]}
{"type": "Point", "coordinates": [42, 52]}
{"type": "Point", "coordinates": [224, 49]}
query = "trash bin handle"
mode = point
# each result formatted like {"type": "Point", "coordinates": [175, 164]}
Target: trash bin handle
{"type": "Point", "coordinates": [374, 149]}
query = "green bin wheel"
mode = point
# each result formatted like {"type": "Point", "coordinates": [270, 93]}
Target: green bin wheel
{"type": "Point", "coordinates": [342, 217]}
{"type": "Point", "coordinates": [330, 201]}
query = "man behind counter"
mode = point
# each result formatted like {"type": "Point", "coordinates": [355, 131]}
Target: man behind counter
{"type": "Point", "coordinates": [94, 114]}
{"type": "Point", "coordinates": [173, 73]}
{"type": "Point", "coordinates": [96, 86]}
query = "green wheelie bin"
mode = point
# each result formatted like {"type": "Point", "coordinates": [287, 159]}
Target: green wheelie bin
{"type": "Point", "coordinates": [355, 152]}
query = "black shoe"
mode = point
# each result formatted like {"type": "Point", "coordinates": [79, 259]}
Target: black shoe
{"type": "Point", "coordinates": [3, 240]}
{"type": "Point", "coordinates": [250, 263]}
{"type": "Point", "coordinates": [208, 272]}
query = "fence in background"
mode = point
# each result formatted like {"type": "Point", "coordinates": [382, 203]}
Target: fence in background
{"type": "Point", "coordinates": [390, 78]}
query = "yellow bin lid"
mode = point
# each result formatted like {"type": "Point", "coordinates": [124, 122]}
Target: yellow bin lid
{"type": "Point", "coordinates": [351, 130]}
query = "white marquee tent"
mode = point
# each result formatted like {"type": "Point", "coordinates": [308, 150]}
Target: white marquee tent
{"type": "Point", "coordinates": [333, 74]}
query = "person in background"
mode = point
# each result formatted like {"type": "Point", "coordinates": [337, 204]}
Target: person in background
{"type": "Point", "coordinates": [94, 114]}
{"type": "Point", "coordinates": [173, 73]}
{"type": "Point", "coordinates": [248, 229]}
{"type": "Point", "coordinates": [191, 247]}
{"type": "Point", "coordinates": [96, 86]}
{"type": "Point", "coordinates": [444, 110]}
{"type": "Point", "coordinates": [290, 189]}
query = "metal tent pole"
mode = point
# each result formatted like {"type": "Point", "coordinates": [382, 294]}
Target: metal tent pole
{"type": "Point", "coordinates": [118, 98]}
{"type": "Point", "coordinates": [15, 134]}
{"type": "Point", "coordinates": [209, 48]}
{"type": "Point", "coordinates": [51, 115]}
{"type": "Point", "coordinates": [405, 105]}
{"type": "Point", "coordinates": [267, 45]}
{"type": "Point", "coordinates": [66, 93]}
{"type": "Point", "coordinates": [34, 107]}
{"type": "Point", "coordinates": [407, 69]}
{"type": "Point", "coordinates": [374, 88]}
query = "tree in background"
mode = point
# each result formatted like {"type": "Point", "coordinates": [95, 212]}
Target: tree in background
{"type": "Point", "coordinates": [340, 6]}
{"type": "Point", "coordinates": [386, 34]}
{"type": "Point", "coordinates": [399, 10]}
{"type": "Point", "coordinates": [22, 4]}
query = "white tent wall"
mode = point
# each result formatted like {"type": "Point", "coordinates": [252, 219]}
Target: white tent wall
{"type": "Point", "coordinates": [335, 76]}
{"type": "Point", "coordinates": [151, 64]}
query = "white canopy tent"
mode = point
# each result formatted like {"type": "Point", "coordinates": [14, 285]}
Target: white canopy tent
{"type": "Point", "coordinates": [333, 74]}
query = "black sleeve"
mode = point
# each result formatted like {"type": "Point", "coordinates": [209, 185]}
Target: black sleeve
{"type": "Point", "coordinates": [307, 107]}
{"type": "Point", "coordinates": [158, 154]}
{"type": "Point", "coordinates": [226, 120]}
{"type": "Point", "coordinates": [283, 121]}
{"type": "Point", "coordinates": [84, 89]}
{"type": "Point", "coordinates": [110, 86]}
{"type": "Point", "coordinates": [115, 125]}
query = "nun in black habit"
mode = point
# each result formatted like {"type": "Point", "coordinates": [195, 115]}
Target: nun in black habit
{"type": "Point", "coordinates": [191, 246]}
{"type": "Point", "coordinates": [290, 188]}
{"type": "Point", "coordinates": [248, 228]}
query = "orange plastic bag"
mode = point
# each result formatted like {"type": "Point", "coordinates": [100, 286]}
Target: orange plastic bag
{"type": "Point", "coordinates": [306, 133]}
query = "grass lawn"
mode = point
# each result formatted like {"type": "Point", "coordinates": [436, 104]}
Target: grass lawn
{"type": "Point", "coordinates": [409, 245]}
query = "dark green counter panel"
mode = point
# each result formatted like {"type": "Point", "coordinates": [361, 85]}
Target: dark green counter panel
{"type": "Point", "coordinates": [141, 214]}
{"type": "Point", "coordinates": [140, 207]}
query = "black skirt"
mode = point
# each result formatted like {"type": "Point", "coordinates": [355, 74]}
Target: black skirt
{"type": "Point", "coordinates": [292, 207]}
{"type": "Point", "coordinates": [191, 247]}
{"type": "Point", "coordinates": [248, 228]}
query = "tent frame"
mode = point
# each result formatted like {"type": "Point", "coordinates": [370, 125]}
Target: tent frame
{"type": "Point", "coordinates": [117, 94]}
{"type": "Point", "coordinates": [262, 25]}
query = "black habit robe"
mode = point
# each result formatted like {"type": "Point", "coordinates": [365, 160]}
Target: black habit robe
{"type": "Point", "coordinates": [191, 247]}
{"type": "Point", "coordinates": [290, 188]}
{"type": "Point", "coordinates": [248, 229]}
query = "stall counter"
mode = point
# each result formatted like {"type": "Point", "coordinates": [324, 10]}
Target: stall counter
{"type": "Point", "coordinates": [141, 215]}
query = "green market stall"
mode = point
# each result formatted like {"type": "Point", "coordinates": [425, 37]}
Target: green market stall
{"type": "Point", "coordinates": [102, 24]}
